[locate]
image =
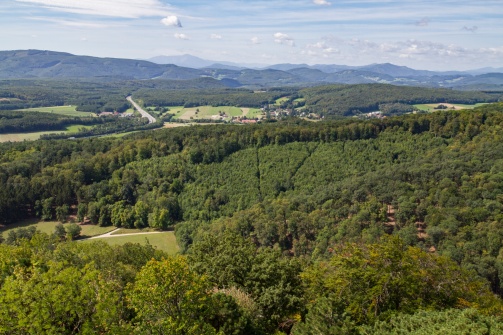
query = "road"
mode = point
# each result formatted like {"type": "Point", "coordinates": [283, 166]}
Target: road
{"type": "Point", "coordinates": [150, 118]}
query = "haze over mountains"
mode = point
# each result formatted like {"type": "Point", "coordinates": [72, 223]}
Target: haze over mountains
{"type": "Point", "coordinates": [51, 64]}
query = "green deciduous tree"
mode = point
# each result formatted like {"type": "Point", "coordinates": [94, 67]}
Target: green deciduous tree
{"type": "Point", "coordinates": [62, 213]}
{"type": "Point", "coordinates": [47, 209]}
{"type": "Point", "coordinates": [371, 282]}
{"type": "Point", "coordinates": [81, 211]}
{"type": "Point", "coordinates": [447, 322]}
{"type": "Point", "coordinates": [169, 298]}
{"type": "Point", "coordinates": [61, 300]}
{"type": "Point", "coordinates": [72, 231]}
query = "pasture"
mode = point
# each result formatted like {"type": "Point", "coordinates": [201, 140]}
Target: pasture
{"type": "Point", "coordinates": [19, 137]}
{"type": "Point", "coordinates": [48, 227]}
{"type": "Point", "coordinates": [61, 110]}
{"type": "Point", "coordinates": [431, 107]}
{"type": "Point", "coordinates": [165, 241]}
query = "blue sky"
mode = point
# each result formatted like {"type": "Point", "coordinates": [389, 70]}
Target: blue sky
{"type": "Point", "coordinates": [422, 34]}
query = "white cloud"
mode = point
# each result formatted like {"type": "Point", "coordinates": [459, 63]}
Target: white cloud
{"type": "Point", "coordinates": [172, 21]}
{"type": "Point", "coordinates": [255, 40]}
{"type": "Point", "coordinates": [471, 29]}
{"type": "Point", "coordinates": [320, 49]}
{"type": "Point", "coordinates": [113, 8]}
{"type": "Point", "coordinates": [424, 22]}
{"type": "Point", "coordinates": [181, 36]}
{"type": "Point", "coordinates": [281, 38]}
{"type": "Point", "coordinates": [215, 37]}
{"type": "Point", "coordinates": [322, 2]}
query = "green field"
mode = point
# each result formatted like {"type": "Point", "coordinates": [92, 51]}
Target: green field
{"type": "Point", "coordinates": [48, 227]}
{"type": "Point", "coordinates": [165, 241]}
{"type": "Point", "coordinates": [19, 137]}
{"type": "Point", "coordinates": [61, 110]}
{"type": "Point", "coordinates": [76, 127]}
{"type": "Point", "coordinates": [255, 113]}
{"type": "Point", "coordinates": [281, 100]}
{"type": "Point", "coordinates": [431, 107]}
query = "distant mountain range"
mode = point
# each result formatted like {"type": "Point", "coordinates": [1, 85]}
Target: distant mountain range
{"type": "Point", "coordinates": [51, 64]}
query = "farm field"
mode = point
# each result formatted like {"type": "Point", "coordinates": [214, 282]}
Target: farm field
{"type": "Point", "coordinates": [210, 112]}
{"type": "Point", "coordinates": [48, 227]}
{"type": "Point", "coordinates": [165, 241]}
{"type": "Point", "coordinates": [19, 137]}
{"type": "Point", "coordinates": [431, 107]}
{"type": "Point", "coordinates": [175, 124]}
{"type": "Point", "coordinates": [62, 110]}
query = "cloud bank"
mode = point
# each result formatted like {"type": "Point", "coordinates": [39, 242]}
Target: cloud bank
{"type": "Point", "coordinates": [112, 8]}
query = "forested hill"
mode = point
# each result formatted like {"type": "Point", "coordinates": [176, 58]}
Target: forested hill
{"type": "Point", "coordinates": [43, 64]}
{"type": "Point", "coordinates": [51, 64]}
{"type": "Point", "coordinates": [366, 221]}
{"type": "Point", "coordinates": [348, 100]}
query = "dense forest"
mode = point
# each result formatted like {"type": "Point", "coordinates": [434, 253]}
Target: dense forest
{"type": "Point", "coordinates": [348, 100]}
{"type": "Point", "coordinates": [349, 226]}
{"type": "Point", "coordinates": [87, 95]}
{"type": "Point", "coordinates": [19, 122]}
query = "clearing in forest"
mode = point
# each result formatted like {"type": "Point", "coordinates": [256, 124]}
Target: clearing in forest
{"type": "Point", "coordinates": [224, 113]}
{"type": "Point", "coordinates": [433, 107]}
{"type": "Point", "coordinates": [61, 110]}
{"type": "Point", "coordinates": [20, 137]}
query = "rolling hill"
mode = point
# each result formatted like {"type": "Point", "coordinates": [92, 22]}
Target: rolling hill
{"type": "Point", "coordinates": [50, 64]}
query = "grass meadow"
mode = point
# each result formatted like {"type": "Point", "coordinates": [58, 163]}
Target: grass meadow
{"type": "Point", "coordinates": [61, 110]}
{"type": "Point", "coordinates": [48, 227]}
{"type": "Point", "coordinates": [431, 107]}
{"type": "Point", "coordinates": [19, 137]}
{"type": "Point", "coordinates": [165, 241]}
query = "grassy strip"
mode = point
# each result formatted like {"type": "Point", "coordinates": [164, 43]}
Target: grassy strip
{"type": "Point", "coordinates": [431, 107]}
{"type": "Point", "coordinates": [164, 241]}
{"type": "Point", "coordinates": [49, 226]}
{"type": "Point", "coordinates": [20, 137]}
{"type": "Point", "coordinates": [61, 110]}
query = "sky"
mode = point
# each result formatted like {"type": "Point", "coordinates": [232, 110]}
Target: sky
{"type": "Point", "coordinates": [421, 34]}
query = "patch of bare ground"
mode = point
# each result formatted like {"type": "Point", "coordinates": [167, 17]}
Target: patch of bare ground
{"type": "Point", "coordinates": [390, 214]}
{"type": "Point", "coordinates": [421, 231]}
{"type": "Point", "coordinates": [174, 125]}
{"type": "Point", "coordinates": [188, 114]}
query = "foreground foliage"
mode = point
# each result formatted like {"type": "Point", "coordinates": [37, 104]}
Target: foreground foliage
{"type": "Point", "coordinates": [52, 287]}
